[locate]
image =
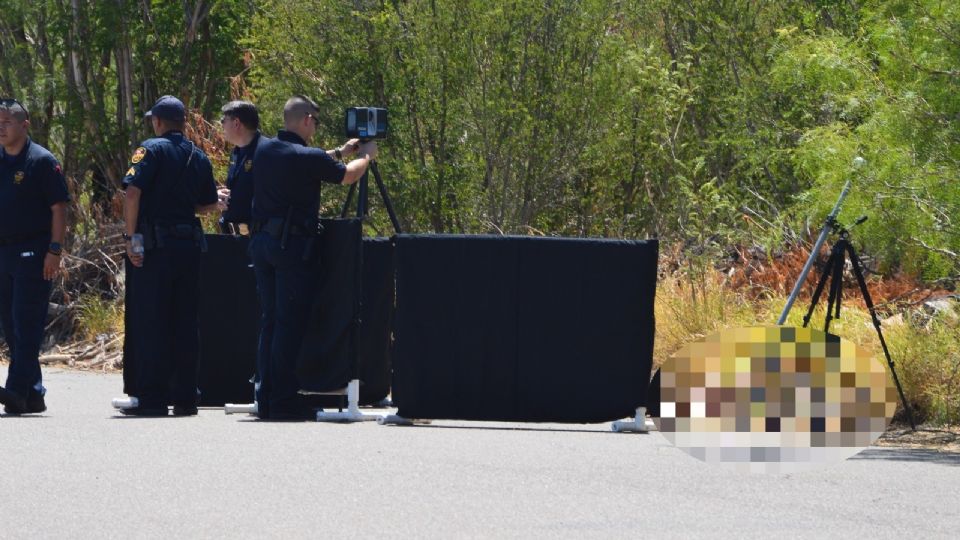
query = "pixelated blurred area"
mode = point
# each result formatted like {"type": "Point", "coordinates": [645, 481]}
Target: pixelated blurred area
{"type": "Point", "coordinates": [774, 399]}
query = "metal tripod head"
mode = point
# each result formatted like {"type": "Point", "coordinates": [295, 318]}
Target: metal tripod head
{"type": "Point", "coordinates": [844, 232]}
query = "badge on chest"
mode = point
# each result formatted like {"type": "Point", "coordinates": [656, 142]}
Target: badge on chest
{"type": "Point", "coordinates": [18, 177]}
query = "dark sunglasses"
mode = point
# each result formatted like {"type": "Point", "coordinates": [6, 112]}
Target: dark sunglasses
{"type": "Point", "coordinates": [10, 102]}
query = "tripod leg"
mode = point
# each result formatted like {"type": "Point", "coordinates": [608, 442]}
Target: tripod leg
{"type": "Point", "coordinates": [346, 204]}
{"type": "Point", "coordinates": [840, 247]}
{"type": "Point", "coordinates": [363, 197]}
{"type": "Point", "coordinates": [824, 276]}
{"type": "Point", "coordinates": [836, 285]}
{"type": "Point", "coordinates": [858, 272]}
{"type": "Point", "coordinates": [386, 197]}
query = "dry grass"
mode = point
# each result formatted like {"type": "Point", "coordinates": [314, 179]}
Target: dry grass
{"type": "Point", "coordinates": [98, 316]}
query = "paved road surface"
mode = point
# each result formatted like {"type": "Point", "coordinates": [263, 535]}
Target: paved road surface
{"type": "Point", "coordinates": [80, 471]}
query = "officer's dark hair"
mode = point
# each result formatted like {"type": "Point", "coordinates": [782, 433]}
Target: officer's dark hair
{"type": "Point", "coordinates": [14, 108]}
{"type": "Point", "coordinates": [167, 124]}
{"type": "Point", "coordinates": [297, 107]}
{"type": "Point", "coordinates": [245, 112]}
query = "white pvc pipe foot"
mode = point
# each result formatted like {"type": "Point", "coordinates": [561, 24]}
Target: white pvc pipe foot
{"type": "Point", "coordinates": [640, 423]}
{"type": "Point", "coordinates": [125, 403]}
{"type": "Point", "coordinates": [240, 408]}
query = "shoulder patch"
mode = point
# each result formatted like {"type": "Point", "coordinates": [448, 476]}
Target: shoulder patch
{"type": "Point", "coordinates": [247, 165]}
{"type": "Point", "coordinates": [58, 168]}
{"type": "Point", "coordinates": [131, 172]}
{"type": "Point", "coordinates": [18, 177]}
{"type": "Point", "coordinates": [138, 155]}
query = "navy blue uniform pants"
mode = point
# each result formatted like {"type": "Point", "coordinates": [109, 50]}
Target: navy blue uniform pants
{"type": "Point", "coordinates": [24, 298]}
{"type": "Point", "coordinates": [286, 285]}
{"type": "Point", "coordinates": [163, 294]}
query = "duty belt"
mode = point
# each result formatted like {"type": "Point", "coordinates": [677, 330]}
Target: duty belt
{"type": "Point", "coordinates": [283, 228]}
{"type": "Point", "coordinates": [275, 227]}
{"type": "Point", "coordinates": [155, 234]}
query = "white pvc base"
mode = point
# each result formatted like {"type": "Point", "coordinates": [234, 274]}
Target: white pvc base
{"type": "Point", "coordinates": [240, 408]}
{"type": "Point", "coordinates": [125, 403]}
{"type": "Point", "coordinates": [640, 423]}
{"type": "Point", "coordinates": [352, 414]}
{"type": "Point", "coordinates": [396, 420]}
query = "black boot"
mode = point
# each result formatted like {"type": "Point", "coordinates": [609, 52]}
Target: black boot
{"type": "Point", "coordinates": [144, 411]}
{"type": "Point", "coordinates": [184, 410]}
{"type": "Point", "coordinates": [35, 403]}
{"type": "Point", "coordinates": [13, 402]}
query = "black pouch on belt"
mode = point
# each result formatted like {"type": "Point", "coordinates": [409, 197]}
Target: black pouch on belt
{"type": "Point", "coordinates": [313, 239]}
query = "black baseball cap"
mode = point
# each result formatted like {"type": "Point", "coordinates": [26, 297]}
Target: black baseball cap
{"type": "Point", "coordinates": [168, 108]}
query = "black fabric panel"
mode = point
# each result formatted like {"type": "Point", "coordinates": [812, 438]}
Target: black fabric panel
{"type": "Point", "coordinates": [523, 329]}
{"type": "Point", "coordinates": [653, 396]}
{"type": "Point", "coordinates": [129, 360]}
{"type": "Point", "coordinates": [229, 322]}
{"type": "Point", "coordinates": [456, 339]}
{"type": "Point", "coordinates": [376, 319]}
{"type": "Point", "coordinates": [327, 356]}
{"type": "Point", "coordinates": [586, 327]}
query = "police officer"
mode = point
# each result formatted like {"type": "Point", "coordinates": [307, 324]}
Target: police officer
{"type": "Point", "coordinates": [241, 128]}
{"type": "Point", "coordinates": [168, 182]}
{"type": "Point", "coordinates": [287, 180]}
{"type": "Point", "coordinates": [33, 223]}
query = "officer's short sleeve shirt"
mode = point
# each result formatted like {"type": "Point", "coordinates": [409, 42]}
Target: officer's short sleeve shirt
{"type": "Point", "coordinates": [175, 177]}
{"type": "Point", "coordinates": [30, 184]}
{"type": "Point", "coordinates": [287, 176]}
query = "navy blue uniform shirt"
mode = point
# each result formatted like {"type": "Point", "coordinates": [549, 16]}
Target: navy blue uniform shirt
{"type": "Point", "coordinates": [240, 182]}
{"type": "Point", "coordinates": [288, 173]}
{"type": "Point", "coordinates": [30, 183]}
{"type": "Point", "coordinates": [175, 177]}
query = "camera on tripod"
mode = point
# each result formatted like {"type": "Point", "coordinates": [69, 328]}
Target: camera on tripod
{"type": "Point", "coordinates": [365, 123]}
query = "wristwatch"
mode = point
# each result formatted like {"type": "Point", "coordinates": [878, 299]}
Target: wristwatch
{"type": "Point", "coordinates": [56, 248]}
{"type": "Point", "coordinates": [338, 153]}
{"type": "Point", "coordinates": [125, 236]}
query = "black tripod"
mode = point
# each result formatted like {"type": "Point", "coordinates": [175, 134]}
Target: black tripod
{"type": "Point", "coordinates": [363, 199]}
{"type": "Point", "coordinates": [833, 272]}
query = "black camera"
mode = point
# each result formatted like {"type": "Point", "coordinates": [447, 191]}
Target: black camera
{"type": "Point", "coordinates": [365, 123]}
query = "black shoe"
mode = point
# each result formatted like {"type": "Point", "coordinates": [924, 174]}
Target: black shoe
{"type": "Point", "coordinates": [184, 410]}
{"type": "Point", "coordinates": [13, 402]}
{"type": "Point", "coordinates": [144, 411]}
{"type": "Point", "coordinates": [35, 403]}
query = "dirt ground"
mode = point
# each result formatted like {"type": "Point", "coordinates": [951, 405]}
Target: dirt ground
{"type": "Point", "coordinates": [942, 439]}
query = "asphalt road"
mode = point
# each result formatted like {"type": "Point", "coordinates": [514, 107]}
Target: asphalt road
{"type": "Point", "coordinates": [81, 471]}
